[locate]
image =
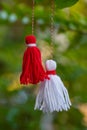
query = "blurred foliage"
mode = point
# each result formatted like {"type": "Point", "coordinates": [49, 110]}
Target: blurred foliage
{"type": "Point", "coordinates": [69, 50]}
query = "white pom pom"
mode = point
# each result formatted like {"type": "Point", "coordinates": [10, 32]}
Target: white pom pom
{"type": "Point", "coordinates": [50, 65]}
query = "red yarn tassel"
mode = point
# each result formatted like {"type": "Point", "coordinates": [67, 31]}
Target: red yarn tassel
{"type": "Point", "coordinates": [32, 69]}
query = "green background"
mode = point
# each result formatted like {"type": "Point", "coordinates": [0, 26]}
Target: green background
{"type": "Point", "coordinates": [69, 50]}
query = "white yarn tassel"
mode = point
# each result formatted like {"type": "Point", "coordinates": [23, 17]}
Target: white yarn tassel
{"type": "Point", "coordinates": [52, 96]}
{"type": "Point", "coordinates": [39, 99]}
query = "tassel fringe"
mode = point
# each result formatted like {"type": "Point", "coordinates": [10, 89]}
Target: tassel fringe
{"type": "Point", "coordinates": [52, 96]}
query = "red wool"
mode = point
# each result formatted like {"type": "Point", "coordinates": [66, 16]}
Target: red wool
{"type": "Point", "coordinates": [51, 72]}
{"type": "Point", "coordinates": [32, 69]}
{"type": "Point", "coordinates": [30, 39]}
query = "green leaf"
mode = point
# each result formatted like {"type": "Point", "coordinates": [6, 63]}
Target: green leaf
{"type": "Point", "coordinates": [59, 3]}
{"type": "Point", "coordinates": [65, 3]}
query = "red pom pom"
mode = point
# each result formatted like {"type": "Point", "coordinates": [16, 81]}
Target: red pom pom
{"type": "Point", "coordinates": [30, 39]}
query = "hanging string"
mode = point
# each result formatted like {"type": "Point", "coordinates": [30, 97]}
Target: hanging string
{"type": "Point", "coordinates": [52, 21]}
{"type": "Point", "coordinates": [33, 3]}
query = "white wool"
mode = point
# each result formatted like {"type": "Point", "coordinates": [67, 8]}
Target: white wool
{"type": "Point", "coordinates": [31, 45]}
{"type": "Point", "coordinates": [52, 95]}
{"type": "Point", "coordinates": [50, 65]}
